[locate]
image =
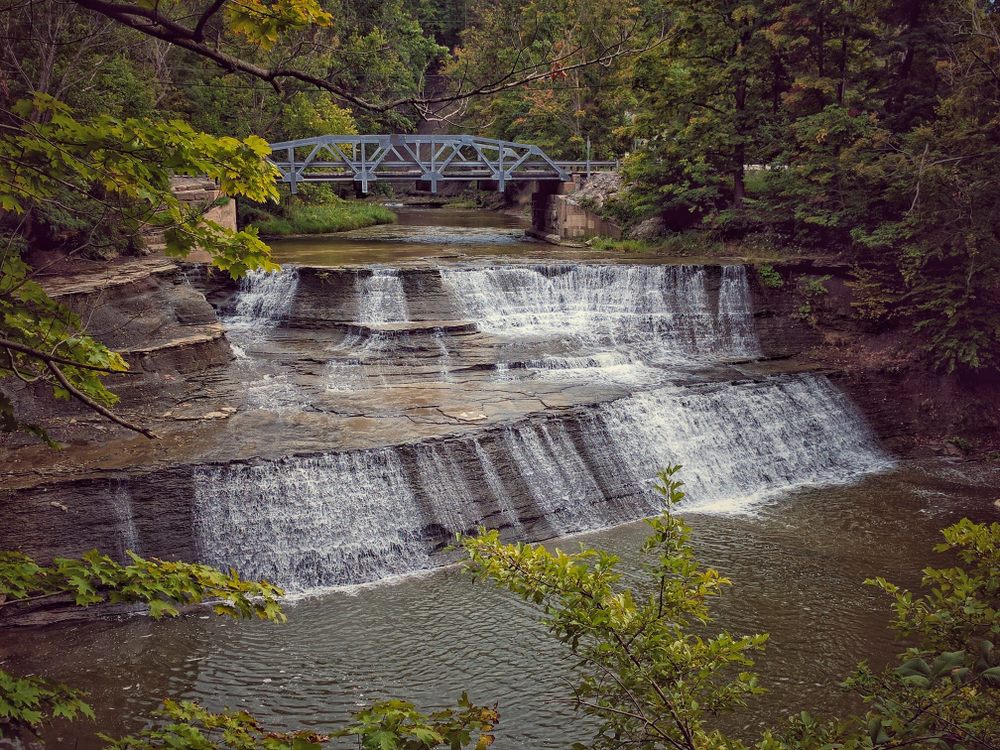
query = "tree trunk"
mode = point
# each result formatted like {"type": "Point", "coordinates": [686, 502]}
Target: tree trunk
{"type": "Point", "coordinates": [739, 151]}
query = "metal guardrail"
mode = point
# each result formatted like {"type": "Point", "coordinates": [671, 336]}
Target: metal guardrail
{"type": "Point", "coordinates": [369, 158]}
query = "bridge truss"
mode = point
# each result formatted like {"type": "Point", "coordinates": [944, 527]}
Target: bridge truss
{"type": "Point", "coordinates": [368, 158]}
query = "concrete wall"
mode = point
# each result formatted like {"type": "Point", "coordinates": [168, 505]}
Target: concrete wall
{"type": "Point", "coordinates": [555, 215]}
{"type": "Point", "coordinates": [197, 191]}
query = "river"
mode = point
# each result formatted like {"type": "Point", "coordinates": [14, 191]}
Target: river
{"type": "Point", "coordinates": [790, 496]}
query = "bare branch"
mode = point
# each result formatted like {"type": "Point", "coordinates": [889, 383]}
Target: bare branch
{"type": "Point", "coordinates": [39, 354]}
{"type": "Point", "coordinates": [89, 402]}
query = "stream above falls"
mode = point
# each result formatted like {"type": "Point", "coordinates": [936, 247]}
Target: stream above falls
{"type": "Point", "coordinates": [395, 385]}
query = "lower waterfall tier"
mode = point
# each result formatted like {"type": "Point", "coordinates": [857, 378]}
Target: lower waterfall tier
{"type": "Point", "coordinates": [348, 518]}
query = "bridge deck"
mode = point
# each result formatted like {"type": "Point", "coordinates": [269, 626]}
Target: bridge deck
{"type": "Point", "coordinates": [395, 158]}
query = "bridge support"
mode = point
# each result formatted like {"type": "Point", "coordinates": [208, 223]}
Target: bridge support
{"type": "Point", "coordinates": [554, 218]}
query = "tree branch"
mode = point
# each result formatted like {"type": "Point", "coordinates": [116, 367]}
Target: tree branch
{"type": "Point", "coordinates": [39, 354]}
{"type": "Point", "coordinates": [149, 21]}
{"type": "Point", "coordinates": [85, 399]}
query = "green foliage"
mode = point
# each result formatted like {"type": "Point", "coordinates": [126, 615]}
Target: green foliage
{"type": "Point", "coordinates": [340, 216]}
{"type": "Point", "coordinates": [163, 586]}
{"type": "Point", "coordinates": [262, 24]}
{"type": "Point", "coordinates": [305, 117]}
{"type": "Point", "coordinates": [386, 725]}
{"type": "Point", "coordinates": [564, 104]}
{"type": "Point", "coordinates": [397, 725]}
{"type": "Point", "coordinates": [769, 277]}
{"type": "Point", "coordinates": [876, 294]}
{"type": "Point", "coordinates": [649, 680]}
{"type": "Point", "coordinates": [82, 180]}
{"type": "Point", "coordinates": [26, 703]}
{"type": "Point", "coordinates": [655, 685]}
{"type": "Point", "coordinates": [963, 444]}
{"type": "Point", "coordinates": [192, 726]}
{"type": "Point", "coordinates": [622, 246]}
{"type": "Point", "coordinates": [869, 130]}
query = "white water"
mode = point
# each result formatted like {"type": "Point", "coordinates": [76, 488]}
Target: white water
{"type": "Point", "coordinates": [264, 299]}
{"type": "Point", "coordinates": [307, 522]}
{"type": "Point", "coordinates": [739, 442]}
{"type": "Point", "coordinates": [612, 307]}
{"type": "Point", "coordinates": [349, 518]}
{"type": "Point", "coordinates": [128, 535]}
{"type": "Point", "coordinates": [356, 517]}
{"type": "Point", "coordinates": [381, 298]}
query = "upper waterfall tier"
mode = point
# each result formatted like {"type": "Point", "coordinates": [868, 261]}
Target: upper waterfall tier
{"type": "Point", "coordinates": [666, 311]}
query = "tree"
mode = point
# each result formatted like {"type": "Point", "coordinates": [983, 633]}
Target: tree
{"type": "Point", "coordinates": [654, 684]}
{"type": "Point", "coordinates": [233, 34]}
{"type": "Point", "coordinates": [572, 103]}
{"type": "Point", "coordinates": [120, 170]}
{"type": "Point", "coordinates": [650, 681]}
{"type": "Point", "coordinates": [27, 703]}
{"type": "Point", "coordinates": [707, 109]}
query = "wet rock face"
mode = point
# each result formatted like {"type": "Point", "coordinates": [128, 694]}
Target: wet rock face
{"type": "Point", "coordinates": [149, 311]}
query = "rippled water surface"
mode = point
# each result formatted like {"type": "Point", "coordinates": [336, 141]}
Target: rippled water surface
{"type": "Point", "coordinates": [796, 563]}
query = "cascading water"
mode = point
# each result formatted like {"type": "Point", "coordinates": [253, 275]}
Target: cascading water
{"type": "Point", "coordinates": [355, 517]}
{"type": "Point", "coordinates": [381, 298]}
{"type": "Point", "coordinates": [128, 535]}
{"type": "Point", "coordinates": [352, 517]}
{"type": "Point", "coordinates": [265, 298]}
{"type": "Point", "coordinates": [302, 523]}
{"type": "Point", "coordinates": [662, 314]}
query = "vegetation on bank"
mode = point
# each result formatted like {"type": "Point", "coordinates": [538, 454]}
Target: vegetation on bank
{"type": "Point", "coordinates": [325, 218]}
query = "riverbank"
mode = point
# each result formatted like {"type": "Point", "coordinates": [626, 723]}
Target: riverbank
{"type": "Point", "coordinates": [326, 218]}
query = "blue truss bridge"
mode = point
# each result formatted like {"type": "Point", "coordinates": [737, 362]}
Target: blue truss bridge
{"type": "Point", "coordinates": [363, 159]}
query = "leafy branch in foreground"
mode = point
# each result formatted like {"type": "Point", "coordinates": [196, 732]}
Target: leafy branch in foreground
{"type": "Point", "coordinates": [649, 681]}
{"type": "Point", "coordinates": [654, 685]}
{"type": "Point", "coordinates": [163, 586]}
{"type": "Point", "coordinates": [121, 170]}
{"type": "Point", "coordinates": [28, 703]}
{"type": "Point", "coordinates": [386, 725]}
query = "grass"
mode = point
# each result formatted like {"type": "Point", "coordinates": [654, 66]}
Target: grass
{"type": "Point", "coordinates": [324, 219]}
{"type": "Point", "coordinates": [623, 246]}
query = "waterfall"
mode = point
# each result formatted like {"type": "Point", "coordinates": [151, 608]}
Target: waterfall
{"type": "Point", "coordinates": [663, 311]}
{"type": "Point", "coordinates": [347, 518]}
{"type": "Point", "coordinates": [735, 322]}
{"type": "Point", "coordinates": [308, 522]}
{"type": "Point", "coordinates": [128, 535]}
{"type": "Point", "coordinates": [381, 298]}
{"type": "Point", "coordinates": [739, 441]}
{"type": "Point", "coordinates": [264, 299]}
{"type": "Point", "coordinates": [582, 464]}
{"type": "Point", "coordinates": [498, 491]}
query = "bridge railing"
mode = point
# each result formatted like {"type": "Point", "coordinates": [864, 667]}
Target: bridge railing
{"type": "Point", "coordinates": [367, 158]}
